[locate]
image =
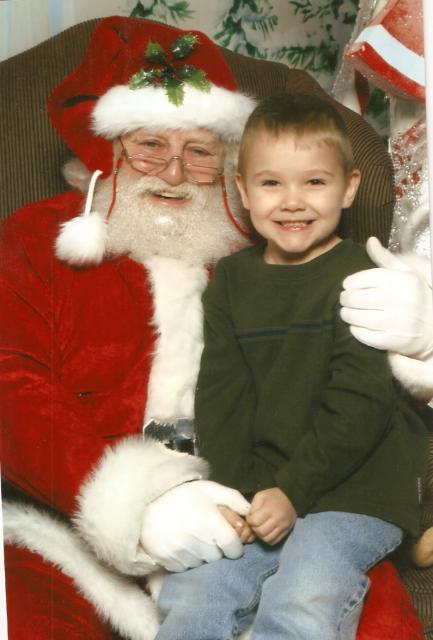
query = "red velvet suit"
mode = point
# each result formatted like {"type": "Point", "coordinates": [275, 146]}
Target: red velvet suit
{"type": "Point", "coordinates": [76, 357]}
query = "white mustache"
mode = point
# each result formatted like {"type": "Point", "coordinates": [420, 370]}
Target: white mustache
{"type": "Point", "coordinates": [157, 186]}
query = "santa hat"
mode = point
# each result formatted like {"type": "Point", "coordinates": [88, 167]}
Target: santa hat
{"type": "Point", "coordinates": [139, 74]}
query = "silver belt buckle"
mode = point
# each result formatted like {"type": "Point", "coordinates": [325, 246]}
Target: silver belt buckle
{"type": "Point", "coordinates": [178, 435]}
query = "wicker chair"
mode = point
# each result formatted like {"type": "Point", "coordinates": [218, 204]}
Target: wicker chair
{"type": "Point", "coordinates": [32, 154]}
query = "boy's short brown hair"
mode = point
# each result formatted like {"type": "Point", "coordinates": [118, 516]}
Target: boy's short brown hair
{"type": "Point", "coordinates": [301, 114]}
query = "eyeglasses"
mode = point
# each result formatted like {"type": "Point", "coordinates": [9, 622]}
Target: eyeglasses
{"type": "Point", "coordinates": [154, 165]}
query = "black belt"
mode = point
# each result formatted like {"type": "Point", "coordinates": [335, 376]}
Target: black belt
{"type": "Point", "coordinates": [178, 435]}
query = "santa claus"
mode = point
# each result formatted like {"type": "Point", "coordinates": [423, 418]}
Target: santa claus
{"type": "Point", "coordinates": [101, 337]}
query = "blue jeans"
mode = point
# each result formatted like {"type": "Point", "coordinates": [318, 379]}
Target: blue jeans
{"type": "Point", "coordinates": [311, 586]}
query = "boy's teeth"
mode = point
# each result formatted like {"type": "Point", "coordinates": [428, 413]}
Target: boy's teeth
{"type": "Point", "coordinates": [295, 225]}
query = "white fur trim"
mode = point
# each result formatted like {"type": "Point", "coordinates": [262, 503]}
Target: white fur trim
{"type": "Point", "coordinates": [415, 375]}
{"type": "Point", "coordinates": [122, 109]}
{"type": "Point", "coordinates": [154, 583]}
{"type": "Point", "coordinates": [113, 500]}
{"type": "Point", "coordinates": [178, 317]}
{"type": "Point", "coordinates": [82, 240]}
{"type": "Point", "coordinates": [117, 599]}
{"type": "Point", "coordinates": [76, 174]}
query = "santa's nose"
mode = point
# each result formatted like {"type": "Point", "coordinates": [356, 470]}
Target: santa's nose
{"type": "Point", "coordinates": [173, 174]}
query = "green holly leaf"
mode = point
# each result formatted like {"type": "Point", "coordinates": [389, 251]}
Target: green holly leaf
{"type": "Point", "coordinates": [140, 12]}
{"type": "Point", "coordinates": [142, 78]}
{"type": "Point", "coordinates": [175, 91]}
{"type": "Point", "coordinates": [155, 53]}
{"type": "Point", "coordinates": [183, 46]}
{"type": "Point", "coordinates": [195, 77]}
{"type": "Point", "coordinates": [186, 71]}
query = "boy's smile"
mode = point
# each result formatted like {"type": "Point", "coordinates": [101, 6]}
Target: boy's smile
{"type": "Point", "coordinates": [295, 189]}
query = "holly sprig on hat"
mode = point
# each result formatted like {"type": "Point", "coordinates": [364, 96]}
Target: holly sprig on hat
{"type": "Point", "coordinates": [169, 75]}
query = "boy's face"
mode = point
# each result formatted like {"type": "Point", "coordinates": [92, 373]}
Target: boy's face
{"type": "Point", "coordinates": [295, 190]}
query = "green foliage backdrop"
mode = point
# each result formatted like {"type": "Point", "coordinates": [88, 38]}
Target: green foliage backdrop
{"type": "Point", "coordinates": [248, 26]}
{"type": "Point", "coordinates": [304, 34]}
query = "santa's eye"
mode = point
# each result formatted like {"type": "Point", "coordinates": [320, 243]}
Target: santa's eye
{"type": "Point", "coordinates": [146, 146]}
{"type": "Point", "coordinates": [199, 151]}
{"type": "Point", "coordinates": [150, 144]}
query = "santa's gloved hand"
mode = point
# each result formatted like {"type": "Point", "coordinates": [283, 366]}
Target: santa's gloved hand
{"type": "Point", "coordinates": [389, 307]}
{"type": "Point", "coordinates": [184, 528]}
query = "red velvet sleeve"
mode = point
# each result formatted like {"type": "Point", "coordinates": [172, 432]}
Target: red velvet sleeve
{"type": "Point", "coordinates": [48, 447]}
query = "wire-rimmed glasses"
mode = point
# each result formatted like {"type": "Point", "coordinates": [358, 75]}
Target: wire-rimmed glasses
{"type": "Point", "coordinates": [153, 165]}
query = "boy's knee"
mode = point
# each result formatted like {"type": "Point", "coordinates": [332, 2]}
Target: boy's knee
{"type": "Point", "coordinates": [190, 589]}
{"type": "Point", "coordinates": [351, 612]}
{"type": "Point", "coordinates": [180, 591]}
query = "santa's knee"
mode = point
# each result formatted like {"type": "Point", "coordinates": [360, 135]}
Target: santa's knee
{"type": "Point", "coordinates": [43, 604]}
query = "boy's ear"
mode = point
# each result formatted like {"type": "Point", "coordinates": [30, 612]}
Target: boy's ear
{"type": "Point", "coordinates": [242, 191]}
{"type": "Point", "coordinates": [352, 187]}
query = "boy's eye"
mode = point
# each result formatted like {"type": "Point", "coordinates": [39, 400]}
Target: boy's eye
{"type": "Point", "coordinates": [269, 183]}
{"type": "Point", "coordinates": [316, 181]}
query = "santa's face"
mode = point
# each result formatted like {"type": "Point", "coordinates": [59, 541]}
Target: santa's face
{"type": "Point", "coordinates": [175, 156]}
{"type": "Point", "coordinates": [169, 198]}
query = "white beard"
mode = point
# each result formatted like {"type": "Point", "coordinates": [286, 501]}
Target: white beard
{"type": "Point", "coordinates": [198, 234]}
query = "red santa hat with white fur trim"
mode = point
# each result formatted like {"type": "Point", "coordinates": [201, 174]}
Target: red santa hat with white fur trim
{"type": "Point", "coordinates": [138, 74]}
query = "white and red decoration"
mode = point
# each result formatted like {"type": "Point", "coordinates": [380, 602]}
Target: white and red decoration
{"type": "Point", "coordinates": [390, 50]}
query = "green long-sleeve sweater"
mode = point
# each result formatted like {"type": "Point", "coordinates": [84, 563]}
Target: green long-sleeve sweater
{"type": "Point", "coordinates": [287, 397]}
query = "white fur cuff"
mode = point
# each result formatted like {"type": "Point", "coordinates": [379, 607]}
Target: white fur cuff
{"type": "Point", "coordinates": [113, 499]}
{"type": "Point", "coordinates": [415, 375]}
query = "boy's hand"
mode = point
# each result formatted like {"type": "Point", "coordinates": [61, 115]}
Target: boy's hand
{"type": "Point", "coordinates": [239, 524]}
{"type": "Point", "coordinates": [422, 551]}
{"type": "Point", "coordinates": [272, 515]}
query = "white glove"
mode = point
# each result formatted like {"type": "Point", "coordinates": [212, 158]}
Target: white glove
{"type": "Point", "coordinates": [184, 528]}
{"type": "Point", "coordinates": [390, 307]}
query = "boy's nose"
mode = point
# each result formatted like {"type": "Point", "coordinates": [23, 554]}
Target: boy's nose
{"type": "Point", "coordinates": [292, 199]}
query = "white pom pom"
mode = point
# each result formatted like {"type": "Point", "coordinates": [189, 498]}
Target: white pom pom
{"type": "Point", "coordinates": [82, 240]}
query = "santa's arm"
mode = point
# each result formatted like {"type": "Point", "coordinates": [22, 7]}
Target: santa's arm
{"type": "Point", "coordinates": [48, 446]}
{"type": "Point", "coordinates": [391, 308]}
{"type": "Point", "coordinates": [51, 450]}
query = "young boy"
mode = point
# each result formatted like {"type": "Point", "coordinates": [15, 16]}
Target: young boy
{"type": "Point", "coordinates": [291, 409]}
